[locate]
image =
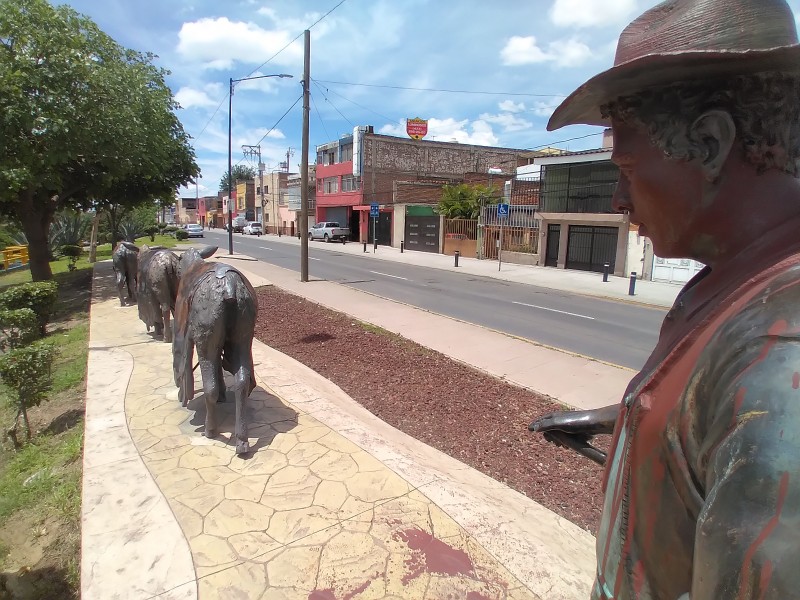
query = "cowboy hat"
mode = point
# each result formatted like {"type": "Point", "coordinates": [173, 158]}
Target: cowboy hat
{"type": "Point", "coordinates": [684, 40]}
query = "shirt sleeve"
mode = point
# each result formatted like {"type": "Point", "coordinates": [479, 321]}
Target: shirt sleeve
{"type": "Point", "coordinates": [747, 544]}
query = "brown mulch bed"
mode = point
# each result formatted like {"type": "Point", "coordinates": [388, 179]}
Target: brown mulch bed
{"type": "Point", "coordinates": [474, 417]}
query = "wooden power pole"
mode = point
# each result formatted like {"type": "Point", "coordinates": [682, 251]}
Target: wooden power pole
{"type": "Point", "coordinates": [304, 161]}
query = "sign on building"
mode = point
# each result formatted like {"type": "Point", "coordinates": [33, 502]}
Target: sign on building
{"type": "Point", "coordinates": [417, 128]}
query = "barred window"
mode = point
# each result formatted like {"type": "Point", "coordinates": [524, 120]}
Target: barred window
{"type": "Point", "coordinates": [331, 185]}
{"type": "Point", "coordinates": [578, 188]}
{"type": "Point", "coordinates": [351, 183]}
{"type": "Point", "coordinates": [347, 153]}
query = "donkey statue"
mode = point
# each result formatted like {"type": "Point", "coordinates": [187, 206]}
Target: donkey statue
{"type": "Point", "coordinates": [216, 313]}
{"type": "Point", "coordinates": [125, 260]}
{"type": "Point", "coordinates": [157, 283]}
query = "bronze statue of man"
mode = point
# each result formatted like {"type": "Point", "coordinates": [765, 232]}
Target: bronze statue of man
{"type": "Point", "coordinates": [702, 483]}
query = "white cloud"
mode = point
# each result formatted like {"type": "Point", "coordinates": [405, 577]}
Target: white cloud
{"type": "Point", "coordinates": [544, 109]}
{"type": "Point", "coordinates": [511, 106]}
{"type": "Point", "coordinates": [507, 121]}
{"type": "Point", "coordinates": [522, 51]}
{"type": "Point", "coordinates": [563, 53]}
{"type": "Point", "coordinates": [449, 130]}
{"type": "Point", "coordinates": [591, 13]}
{"type": "Point", "coordinates": [188, 97]}
{"type": "Point", "coordinates": [219, 42]}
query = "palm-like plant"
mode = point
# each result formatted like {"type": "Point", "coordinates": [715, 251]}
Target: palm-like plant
{"type": "Point", "coordinates": [69, 228]}
{"type": "Point", "coordinates": [130, 229]}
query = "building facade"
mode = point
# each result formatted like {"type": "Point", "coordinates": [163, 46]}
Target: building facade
{"type": "Point", "coordinates": [403, 176]}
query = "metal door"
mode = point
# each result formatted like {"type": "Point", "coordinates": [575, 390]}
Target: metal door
{"type": "Point", "coordinates": [422, 233]}
{"type": "Point", "coordinates": [589, 248]}
{"type": "Point", "coordinates": [384, 226]}
{"type": "Point", "coordinates": [553, 238]}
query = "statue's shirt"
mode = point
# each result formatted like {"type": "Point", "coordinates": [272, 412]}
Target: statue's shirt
{"type": "Point", "coordinates": [702, 486]}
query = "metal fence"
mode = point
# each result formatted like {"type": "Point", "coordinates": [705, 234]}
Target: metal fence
{"type": "Point", "coordinates": [520, 231]}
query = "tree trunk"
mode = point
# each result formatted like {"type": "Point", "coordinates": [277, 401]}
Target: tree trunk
{"type": "Point", "coordinates": [93, 243]}
{"type": "Point", "coordinates": [36, 214]}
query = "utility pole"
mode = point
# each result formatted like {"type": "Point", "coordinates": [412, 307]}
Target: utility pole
{"type": "Point", "coordinates": [304, 160]}
{"type": "Point", "coordinates": [255, 152]}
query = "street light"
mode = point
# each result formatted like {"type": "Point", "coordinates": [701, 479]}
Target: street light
{"type": "Point", "coordinates": [230, 168]}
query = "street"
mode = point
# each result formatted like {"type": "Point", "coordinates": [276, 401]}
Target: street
{"type": "Point", "coordinates": [614, 332]}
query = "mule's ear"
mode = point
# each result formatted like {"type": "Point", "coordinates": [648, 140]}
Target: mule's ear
{"type": "Point", "coordinates": [130, 246]}
{"type": "Point", "coordinates": [208, 251]}
{"type": "Point", "coordinates": [145, 248]}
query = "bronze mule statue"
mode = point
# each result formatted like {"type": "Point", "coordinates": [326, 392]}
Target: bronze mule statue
{"type": "Point", "coordinates": [126, 263]}
{"type": "Point", "coordinates": [216, 313]}
{"type": "Point", "coordinates": [158, 288]}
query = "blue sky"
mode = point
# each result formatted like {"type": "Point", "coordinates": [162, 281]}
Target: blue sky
{"type": "Point", "coordinates": [529, 55]}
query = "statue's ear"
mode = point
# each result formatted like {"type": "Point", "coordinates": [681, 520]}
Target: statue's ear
{"type": "Point", "coordinates": [144, 248]}
{"type": "Point", "coordinates": [208, 251]}
{"type": "Point", "coordinates": [714, 131]}
{"type": "Point", "coordinates": [130, 246]}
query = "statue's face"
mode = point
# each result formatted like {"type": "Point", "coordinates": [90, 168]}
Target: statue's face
{"type": "Point", "coordinates": [662, 196]}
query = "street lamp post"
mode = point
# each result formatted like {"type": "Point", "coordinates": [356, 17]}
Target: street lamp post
{"type": "Point", "coordinates": [230, 168]}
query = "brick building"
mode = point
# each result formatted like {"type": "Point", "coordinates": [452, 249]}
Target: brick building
{"type": "Point", "coordinates": [403, 176]}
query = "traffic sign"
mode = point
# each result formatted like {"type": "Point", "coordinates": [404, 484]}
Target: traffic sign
{"type": "Point", "coordinates": [374, 209]}
{"type": "Point", "coordinates": [502, 210]}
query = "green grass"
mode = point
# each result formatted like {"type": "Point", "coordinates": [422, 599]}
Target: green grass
{"type": "Point", "coordinates": [61, 266]}
{"type": "Point", "coordinates": [70, 368]}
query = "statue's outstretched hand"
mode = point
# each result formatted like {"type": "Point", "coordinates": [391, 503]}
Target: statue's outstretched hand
{"type": "Point", "coordinates": [575, 429]}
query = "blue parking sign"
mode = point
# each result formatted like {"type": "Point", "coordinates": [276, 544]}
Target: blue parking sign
{"type": "Point", "coordinates": [374, 209]}
{"type": "Point", "coordinates": [502, 210]}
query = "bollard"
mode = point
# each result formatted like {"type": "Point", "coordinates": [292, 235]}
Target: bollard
{"type": "Point", "coordinates": [375, 245]}
{"type": "Point", "coordinates": [456, 254]}
{"type": "Point", "coordinates": [632, 287]}
{"type": "Point", "coordinates": [402, 244]}
{"type": "Point", "coordinates": [606, 266]}
{"type": "Point", "coordinates": [365, 246]}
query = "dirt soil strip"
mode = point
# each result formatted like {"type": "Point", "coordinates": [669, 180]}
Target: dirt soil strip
{"type": "Point", "coordinates": [474, 417]}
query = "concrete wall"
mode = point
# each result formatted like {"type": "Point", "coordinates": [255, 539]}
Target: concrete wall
{"type": "Point", "coordinates": [398, 224]}
{"type": "Point", "coordinates": [520, 258]}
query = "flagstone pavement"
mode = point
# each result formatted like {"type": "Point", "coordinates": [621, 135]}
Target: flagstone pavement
{"type": "Point", "coordinates": [331, 504]}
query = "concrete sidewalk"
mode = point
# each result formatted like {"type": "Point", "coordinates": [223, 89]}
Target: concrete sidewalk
{"type": "Point", "coordinates": [333, 504]}
{"type": "Point", "coordinates": [650, 293]}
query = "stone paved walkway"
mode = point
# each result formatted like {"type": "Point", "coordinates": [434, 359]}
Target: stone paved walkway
{"type": "Point", "coordinates": [332, 504]}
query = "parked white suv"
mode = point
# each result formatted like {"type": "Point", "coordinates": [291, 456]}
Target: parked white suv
{"type": "Point", "coordinates": [253, 228]}
{"type": "Point", "coordinates": [328, 231]}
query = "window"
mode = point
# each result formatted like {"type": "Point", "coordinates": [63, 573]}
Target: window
{"type": "Point", "coordinates": [319, 186]}
{"type": "Point", "coordinates": [347, 153]}
{"type": "Point", "coordinates": [331, 185]}
{"type": "Point", "coordinates": [351, 183]}
{"type": "Point", "coordinates": [320, 157]}
{"type": "Point", "coordinates": [330, 157]}
{"type": "Point", "coordinates": [578, 188]}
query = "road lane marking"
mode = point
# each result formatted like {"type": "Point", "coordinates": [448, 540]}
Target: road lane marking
{"type": "Point", "coordinates": [312, 258]}
{"type": "Point", "coordinates": [265, 248]}
{"type": "Point", "coordinates": [563, 312]}
{"type": "Point", "coordinates": [387, 275]}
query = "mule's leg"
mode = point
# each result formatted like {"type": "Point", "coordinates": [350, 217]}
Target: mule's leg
{"type": "Point", "coordinates": [211, 385]}
{"type": "Point", "coordinates": [120, 285]}
{"type": "Point", "coordinates": [186, 388]}
{"type": "Point", "coordinates": [165, 314]}
{"type": "Point", "coordinates": [221, 379]}
{"type": "Point", "coordinates": [243, 363]}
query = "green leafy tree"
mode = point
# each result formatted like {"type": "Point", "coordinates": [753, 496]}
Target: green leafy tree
{"type": "Point", "coordinates": [85, 122]}
{"type": "Point", "coordinates": [464, 201]}
{"type": "Point", "coordinates": [27, 371]}
{"type": "Point", "coordinates": [238, 173]}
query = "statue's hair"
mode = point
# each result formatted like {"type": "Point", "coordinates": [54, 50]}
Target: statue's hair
{"type": "Point", "coordinates": [765, 109]}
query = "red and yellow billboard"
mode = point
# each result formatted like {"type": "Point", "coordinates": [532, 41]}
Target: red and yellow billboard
{"type": "Point", "coordinates": [241, 196]}
{"type": "Point", "coordinates": [417, 128]}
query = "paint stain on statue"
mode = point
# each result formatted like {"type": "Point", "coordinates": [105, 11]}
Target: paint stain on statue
{"type": "Point", "coordinates": [796, 380]}
{"type": "Point", "coordinates": [431, 555]}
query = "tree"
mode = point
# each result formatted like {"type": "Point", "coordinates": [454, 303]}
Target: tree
{"type": "Point", "coordinates": [85, 122]}
{"type": "Point", "coordinates": [463, 201]}
{"type": "Point", "coordinates": [239, 173]}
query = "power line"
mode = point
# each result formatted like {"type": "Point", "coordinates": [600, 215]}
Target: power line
{"type": "Point", "coordinates": [325, 129]}
{"type": "Point", "coordinates": [274, 126]}
{"type": "Point", "coordinates": [388, 119]}
{"type": "Point", "coordinates": [416, 89]}
{"type": "Point", "coordinates": [332, 104]}
{"type": "Point", "coordinates": [221, 102]}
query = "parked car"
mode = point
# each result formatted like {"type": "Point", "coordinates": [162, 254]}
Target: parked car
{"type": "Point", "coordinates": [194, 231]}
{"type": "Point", "coordinates": [239, 224]}
{"type": "Point", "coordinates": [253, 228]}
{"type": "Point", "coordinates": [328, 231]}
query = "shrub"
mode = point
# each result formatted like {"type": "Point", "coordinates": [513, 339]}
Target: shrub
{"type": "Point", "coordinates": [181, 234]}
{"type": "Point", "coordinates": [39, 296]}
{"type": "Point", "coordinates": [152, 231]}
{"type": "Point", "coordinates": [18, 327]}
{"type": "Point", "coordinates": [27, 373]}
{"type": "Point", "coordinates": [73, 253]}
{"type": "Point", "coordinates": [170, 229]}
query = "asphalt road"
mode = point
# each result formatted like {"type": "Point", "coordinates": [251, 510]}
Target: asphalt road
{"type": "Point", "coordinates": [615, 332]}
